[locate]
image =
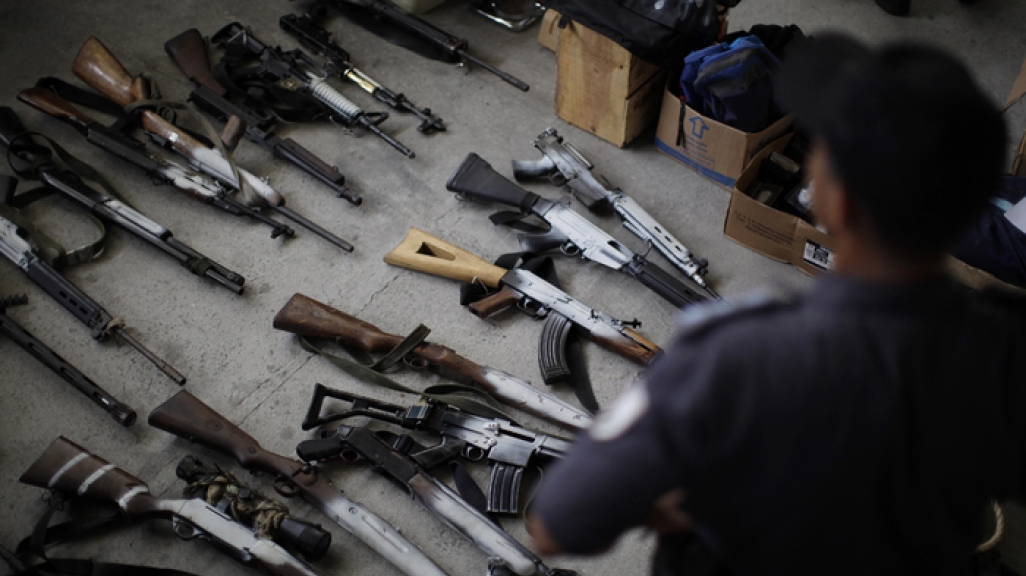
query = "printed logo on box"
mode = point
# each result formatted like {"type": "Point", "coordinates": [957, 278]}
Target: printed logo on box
{"type": "Point", "coordinates": [818, 256]}
{"type": "Point", "coordinates": [698, 127]}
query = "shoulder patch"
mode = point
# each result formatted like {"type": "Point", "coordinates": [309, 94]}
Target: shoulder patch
{"type": "Point", "coordinates": [628, 409]}
{"type": "Point", "coordinates": [699, 317]}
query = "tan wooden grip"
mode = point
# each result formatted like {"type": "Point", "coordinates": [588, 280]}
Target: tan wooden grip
{"type": "Point", "coordinates": [305, 316]}
{"type": "Point", "coordinates": [48, 102]}
{"type": "Point", "coordinates": [423, 252]}
{"type": "Point", "coordinates": [99, 68]}
{"type": "Point", "coordinates": [495, 303]}
{"type": "Point", "coordinates": [636, 347]}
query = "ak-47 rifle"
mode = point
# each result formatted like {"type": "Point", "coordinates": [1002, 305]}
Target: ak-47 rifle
{"type": "Point", "coordinates": [309, 33]}
{"type": "Point", "coordinates": [17, 245]}
{"type": "Point", "coordinates": [358, 444]}
{"type": "Point", "coordinates": [67, 468]}
{"type": "Point", "coordinates": [563, 164]}
{"type": "Point", "coordinates": [189, 52]}
{"type": "Point", "coordinates": [383, 18]}
{"type": "Point", "coordinates": [98, 67]}
{"type": "Point", "coordinates": [508, 446]}
{"type": "Point", "coordinates": [570, 232]}
{"type": "Point", "coordinates": [531, 294]}
{"type": "Point", "coordinates": [294, 76]}
{"type": "Point", "coordinates": [37, 161]}
{"type": "Point", "coordinates": [311, 319]}
{"type": "Point", "coordinates": [186, 416]}
{"type": "Point", "coordinates": [120, 411]}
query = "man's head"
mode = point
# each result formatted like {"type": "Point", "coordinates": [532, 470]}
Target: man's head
{"type": "Point", "coordinates": [907, 149]}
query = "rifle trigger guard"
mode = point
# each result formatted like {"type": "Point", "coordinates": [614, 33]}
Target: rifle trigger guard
{"type": "Point", "coordinates": [415, 363]}
{"type": "Point", "coordinates": [568, 248]}
{"type": "Point", "coordinates": [285, 487]}
{"type": "Point", "coordinates": [532, 308]}
{"type": "Point", "coordinates": [557, 178]}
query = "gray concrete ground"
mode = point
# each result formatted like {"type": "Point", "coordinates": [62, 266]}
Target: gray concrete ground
{"type": "Point", "coordinates": [260, 378]}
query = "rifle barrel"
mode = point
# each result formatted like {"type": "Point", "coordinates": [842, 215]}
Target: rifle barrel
{"type": "Point", "coordinates": [156, 360]}
{"type": "Point", "coordinates": [311, 226]}
{"type": "Point", "coordinates": [506, 77]}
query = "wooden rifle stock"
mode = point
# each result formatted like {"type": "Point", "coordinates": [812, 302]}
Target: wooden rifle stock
{"type": "Point", "coordinates": [636, 348]}
{"type": "Point", "coordinates": [48, 102]}
{"type": "Point", "coordinates": [189, 52]}
{"type": "Point", "coordinates": [423, 252]}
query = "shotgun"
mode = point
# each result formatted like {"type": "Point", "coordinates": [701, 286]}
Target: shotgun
{"type": "Point", "coordinates": [186, 416]}
{"type": "Point", "coordinates": [309, 318]}
{"type": "Point", "coordinates": [68, 468]}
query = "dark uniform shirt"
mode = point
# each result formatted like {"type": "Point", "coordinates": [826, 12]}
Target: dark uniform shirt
{"type": "Point", "coordinates": [860, 429]}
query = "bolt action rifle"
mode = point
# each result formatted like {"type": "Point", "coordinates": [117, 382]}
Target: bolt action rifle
{"type": "Point", "coordinates": [69, 469]}
{"type": "Point", "coordinates": [398, 26]}
{"type": "Point", "coordinates": [532, 295]}
{"type": "Point", "coordinates": [188, 50]}
{"type": "Point", "coordinates": [311, 319]}
{"type": "Point", "coordinates": [186, 416]}
{"type": "Point", "coordinates": [38, 162]}
{"type": "Point", "coordinates": [309, 33]}
{"type": "Point", "coordinates": [564, 164]}
{"type": "Point", "coordinates": [98, 67]}
{"type": "Point", "coordinates": [508, 446]}
{"type": "Point", "coordinates": [296, 78]}
{"type": "Point", "coordinates": [120, 411]}
{"type": "Point", "coordinates": [568, 231]}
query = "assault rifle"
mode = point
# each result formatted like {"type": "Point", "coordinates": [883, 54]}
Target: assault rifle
{"type": "Point", "coordinates": [309, 318]}
{"type": "Point", "coordinates": [532, 295]}
{"type": "Point", "coordinates": [564, 164]}
{"type": "Point", "coordinates": [98, 67]}
{"type": "Point", "coordinates": [67, 468]}
{"type": "Point", "coordinates": [121, 412]}
{"type": "Point", "coordinates": [570, 232]}
{"type": "Point", "coordinates": [354, 445]}
{"type": "Point", "coordinates": [384, 18]}
{"type": "Point", "coordinates": [508, 446]}
{"type": "Point", "coordinates": [189, 52]}
{"type": "Point", "coordinates": [37, 160]}
{"type": "Point", "coordinates": [293, 74]}
{"type": "Point", "coordinates": [186, 416]}
{"type": "Point", "coordinates": [16, 245]}
{"type": "Point", "coordinates": [306, 30]}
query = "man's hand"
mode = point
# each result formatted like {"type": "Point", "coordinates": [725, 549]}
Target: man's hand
{"type": "Point", "coordinates": [667, 516]}
{"type": "Point", "coordinates": [543, 542]}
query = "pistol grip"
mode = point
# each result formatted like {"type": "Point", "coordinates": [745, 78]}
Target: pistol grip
{"type": "Point", "coordinates": [552, 349]}
{"type": "Point", "coordinates": [504, 489]}
{"type": "Point", "coordinates": [495, 303]}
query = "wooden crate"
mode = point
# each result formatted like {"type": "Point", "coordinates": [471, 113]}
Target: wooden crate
{"type": "Point", "coordinates": [603, 88]}
{"type": "Point", "coordinates": [548, 33]}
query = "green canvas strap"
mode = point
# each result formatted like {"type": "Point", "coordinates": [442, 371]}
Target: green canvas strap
{"type": "Point", "coordinates": [364, 367]}
{"type": "Point", "coordinates": [52, 251]}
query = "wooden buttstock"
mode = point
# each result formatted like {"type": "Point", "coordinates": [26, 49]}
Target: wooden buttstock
{"type": "Point", "coordinates": [189, 51]}
{"type": "Point", "coordinates": [423, 252]}
{"type": "Point", "coordinates": [179, 140]}
{"type": "Point", "coordinates": [305, 316]}
{"type": "Point", "coordinates": [48, 102]}
{"type": "Point", "coordinates": [99, 68]}
{"type": "Point", "coordinates": [495, 303]}
{"type": "Point", "coordinates": [634, 347]}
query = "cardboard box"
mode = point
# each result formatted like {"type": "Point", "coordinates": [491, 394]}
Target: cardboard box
{"type": "Point", "coordinates": [548, 36]}
{"type": "Point", "coordinates": [713, 149]}
{"type": "Point", "coordinates": [773, 233]}
{"type": "Point", "coordinates": [604, 89]}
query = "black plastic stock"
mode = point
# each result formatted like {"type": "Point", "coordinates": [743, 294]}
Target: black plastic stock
{"type": "Point", "coordinates": [477, 179]}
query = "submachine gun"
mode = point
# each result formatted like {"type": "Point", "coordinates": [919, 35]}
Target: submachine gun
{"type": "Point", "coordinates": [508, 446]}
{"type": "Point", "coordinates": [294, 78]}
{"type": "Point", "coordinates": [309, 33]}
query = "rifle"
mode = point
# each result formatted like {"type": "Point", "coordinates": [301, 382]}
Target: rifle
{"type": "Point", "coordinates": [188, 50]}
{"type": "Point", "coordinates": [353, 445]}
{"type": "Point", "coordinates": [529, 293]}
{"type": "Point", "coordinates": [39, 163]}
{"type": "Point", "coordinates": [306, 30]}
{"type": "Point", "coordinates": [296, 75]}
{"type": "Point", "coordinates": [569, 231]}
{"type": "Point", "coordinates": [376, 14]}
{"type": "Point", "coordinates": [17, 246]}
{"type": "Point", "coordinates": [508, 446]}
{"type": "Point", "coordinates": [186, 416]}
{"type": "Point", "coordinates": [121, 412]}
{"type": "Point", "coordinates": [99, 68]}
{"type": "Point", "coordinates": [564, 164]}
{"type": "Point", "coordinates": [68, 468]}
{"type": "Point", "coordinates": [309, 318]}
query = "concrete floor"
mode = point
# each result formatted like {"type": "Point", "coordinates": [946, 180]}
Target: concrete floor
{"type": "Point", "coordinates": [260, 378]}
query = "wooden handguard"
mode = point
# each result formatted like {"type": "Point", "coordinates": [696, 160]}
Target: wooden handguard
{"type": "Point", "coordinates": [495, 303]}
{"type": "Point", "coordinates": [48, 102]}
{"type": "Point", "coordinates": [99, 68]}
{"type": "Point", "coordinates": [423, 252]}
{"type": "Point", "coordinates": [640, 349]}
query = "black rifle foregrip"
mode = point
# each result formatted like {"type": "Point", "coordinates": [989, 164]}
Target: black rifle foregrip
{"type": "Point", "coordinates": [296, 153]}
{"type": "Point", "coordinates": [70, 297]}
{"type": "Point", "coordinates": [552, 349]}
{"type": "Point", "coordinates": [320, 448]}
{"type": "Point", "coordinates": [504, 488]}
{"type": "Point", "coordinates": [662, 283]}
{"type": "Point", "coordinates": [476, 178]}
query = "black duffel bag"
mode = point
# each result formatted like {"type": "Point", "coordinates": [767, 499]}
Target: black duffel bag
{"type": "Point", "coordinates": [658, 31]}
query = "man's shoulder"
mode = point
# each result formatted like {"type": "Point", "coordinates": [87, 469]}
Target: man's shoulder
{"type": "Point", "coordinates": [757, 308]}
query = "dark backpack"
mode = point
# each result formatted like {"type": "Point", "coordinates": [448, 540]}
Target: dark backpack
{"type": "Point", "coordinates": [658, 31]}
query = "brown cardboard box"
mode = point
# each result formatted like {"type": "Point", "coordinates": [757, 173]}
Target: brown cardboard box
{"type": "Point", "coordinates": [548, 35]}
{"type": "Point", "coordinates": [604, 89]}
{"type": "Point", "coordinates": [770, 232]}
{"type": "Point", "coordinates": [713, 149]}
